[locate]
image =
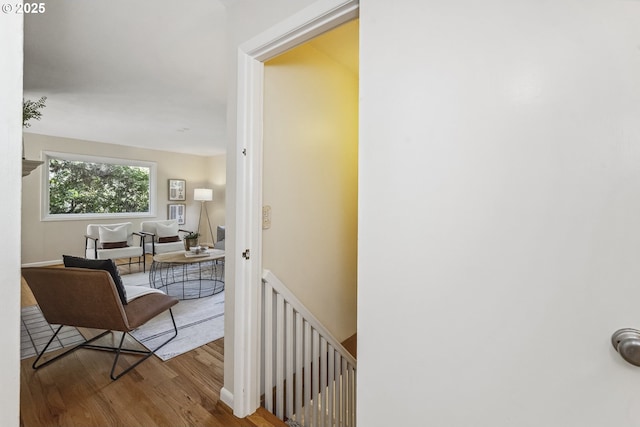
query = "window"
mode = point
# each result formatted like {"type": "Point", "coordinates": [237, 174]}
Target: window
{"type": "Point", "coordinates": [86, 187]}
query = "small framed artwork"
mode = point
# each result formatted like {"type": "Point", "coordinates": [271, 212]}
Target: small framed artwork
{"type": "Point", "coordinates": [177, 189]}
{"type": "Point", "coordinates": [177, 211]}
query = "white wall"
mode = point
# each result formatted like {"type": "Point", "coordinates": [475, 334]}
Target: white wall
{"type": "Point", "coordinates": [310, 169]}
{"type": "Point", "coordinates": [10, 184]}
{"type": "Point", "coordinates": [217, 180]}
{"type": "Point", "coordinates": [499, 212]}
{"type": "Point", "coordinates": [47, 241]}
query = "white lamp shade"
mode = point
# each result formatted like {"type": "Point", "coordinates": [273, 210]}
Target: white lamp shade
{"type": "Point", "coordinates": [203, 194]}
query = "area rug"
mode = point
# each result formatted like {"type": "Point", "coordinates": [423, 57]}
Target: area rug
{"type": "Point", "coordinates": [199, 322]}
{"type": "Point", "coordinates": [35, 333]}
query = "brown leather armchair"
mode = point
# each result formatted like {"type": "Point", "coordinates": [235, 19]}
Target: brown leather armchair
{"type": "Point", "coordinates": [88, 298]}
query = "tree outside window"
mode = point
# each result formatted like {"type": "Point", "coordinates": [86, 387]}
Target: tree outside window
{"type": "Point", "coordinates": [95, 187]}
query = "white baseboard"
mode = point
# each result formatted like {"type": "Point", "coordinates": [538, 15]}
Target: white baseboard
{"type": "Point", "coordinates": [227, 397]}
{"type": "Point", "coordinates": [42, 263]}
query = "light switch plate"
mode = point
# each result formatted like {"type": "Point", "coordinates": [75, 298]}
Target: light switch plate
{"type": "Point", "coordinates": [266, 217]}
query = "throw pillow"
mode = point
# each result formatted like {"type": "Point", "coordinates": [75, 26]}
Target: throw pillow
{"type": "Point", "coordinates": [114, 233]}
{"type": "Point", "coordinates": [98, 264]}
{"type": "Point", "coordinates": [168, 239]}
{"type": "Point", "coordinates": [167, 230]}
{"type": "Point", "coordinates": [113, 245]}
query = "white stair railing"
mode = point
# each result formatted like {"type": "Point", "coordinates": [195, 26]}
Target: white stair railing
{"type": "Point", "coordinates": [308, 376]}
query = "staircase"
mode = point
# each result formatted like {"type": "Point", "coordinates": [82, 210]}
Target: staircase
{"type": "Point", "coordinates": [309, 378]}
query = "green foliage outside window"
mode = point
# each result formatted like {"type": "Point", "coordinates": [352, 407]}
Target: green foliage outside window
{"type": "Point", "coordinates": [78, 187]}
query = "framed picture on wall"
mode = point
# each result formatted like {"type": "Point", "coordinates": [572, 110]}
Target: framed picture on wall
{"type": "Point", "coordinates": [177, 189]}
{"type": "Point", "coordinates": [177, 211]}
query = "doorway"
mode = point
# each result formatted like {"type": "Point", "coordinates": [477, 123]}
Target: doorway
{"type": "Point", "coordinates": [310, 175]}
{"type": "Point", "coordinates": [247, 227]}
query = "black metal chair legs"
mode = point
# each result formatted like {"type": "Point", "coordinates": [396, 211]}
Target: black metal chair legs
{"type": "Point", "coordinates": [117, 350]}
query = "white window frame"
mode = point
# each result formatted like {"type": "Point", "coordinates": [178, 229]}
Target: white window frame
{"type": "Point", "coordinates": [44, 204]}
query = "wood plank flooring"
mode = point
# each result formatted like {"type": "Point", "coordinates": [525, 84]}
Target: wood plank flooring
{"type": "Point", "coordinates": [351, 345]}
{"type": "Point", "coordinates": [184, 391]}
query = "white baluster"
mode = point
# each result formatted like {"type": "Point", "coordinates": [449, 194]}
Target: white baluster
{"type": "Point", "coordinates": [354, 401]}
{"type": "Point", "coordinates": [299, 362]}
{"type": "Point", "coordinates": [316, 377]}
{"type": "Point", "coordinates": [268, 347]}
{"type": "Point", "coordinates": [307, 374]}
{"type": "Point", "coordinates": [323, 381]}
{"type": "Point", "coordinates": [279, 356]}
{"type": "Point", "coordinates": [345, 396]}
{"type": "Point", "coordinates": [289, 359]}
{"type": "Point", "coordinates": [331, 384]}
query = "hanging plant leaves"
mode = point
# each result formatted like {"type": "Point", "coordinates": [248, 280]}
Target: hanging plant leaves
{"type": "Point", "coordinates": [31, 110]}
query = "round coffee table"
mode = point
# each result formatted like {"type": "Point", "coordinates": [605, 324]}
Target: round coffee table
{"type": "Point", "coordinates": [188, 276]}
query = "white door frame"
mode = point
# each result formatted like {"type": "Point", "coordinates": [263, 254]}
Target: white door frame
{"type": "Point", "coordinates": [301, 27]}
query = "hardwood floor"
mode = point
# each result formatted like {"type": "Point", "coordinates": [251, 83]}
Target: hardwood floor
{"type": "Point", "coordinates": [77, 391]}
{"type": "Point", "coordinates": [351, 344]}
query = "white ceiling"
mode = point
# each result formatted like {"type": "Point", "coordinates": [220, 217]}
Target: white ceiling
{"type": "Point", "coordinates": [143, 73]}
{"type": "Point", "coordinates": [149, 74]}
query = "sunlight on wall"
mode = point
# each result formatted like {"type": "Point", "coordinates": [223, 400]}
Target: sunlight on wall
{"type": "Point", "coordinates": [310, 175]}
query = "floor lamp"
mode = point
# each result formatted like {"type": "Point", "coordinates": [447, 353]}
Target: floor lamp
{"type": "Point", "coordinates": [204, 195]}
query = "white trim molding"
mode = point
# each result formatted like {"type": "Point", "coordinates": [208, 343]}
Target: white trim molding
{"type": "Point", "coordinates": [42, 263]}
{"type": "Point", "coordinates": [227, 397]}
{"type": "Point", "coordinates": [312, 21]}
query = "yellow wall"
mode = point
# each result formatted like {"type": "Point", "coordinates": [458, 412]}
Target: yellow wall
{"type": "Point", "coordinates": [310, 182]}
{"type": "Point", "coordinates": [47, 241]}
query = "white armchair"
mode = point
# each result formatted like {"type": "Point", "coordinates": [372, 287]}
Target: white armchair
{"type": "Point", "coordinates": [162, 236]}
{"type": "Point", "coordinates": [114, 241]}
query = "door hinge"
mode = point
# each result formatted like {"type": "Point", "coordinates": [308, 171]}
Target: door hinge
{"type": "Point", "coordinates": [246, 254]}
